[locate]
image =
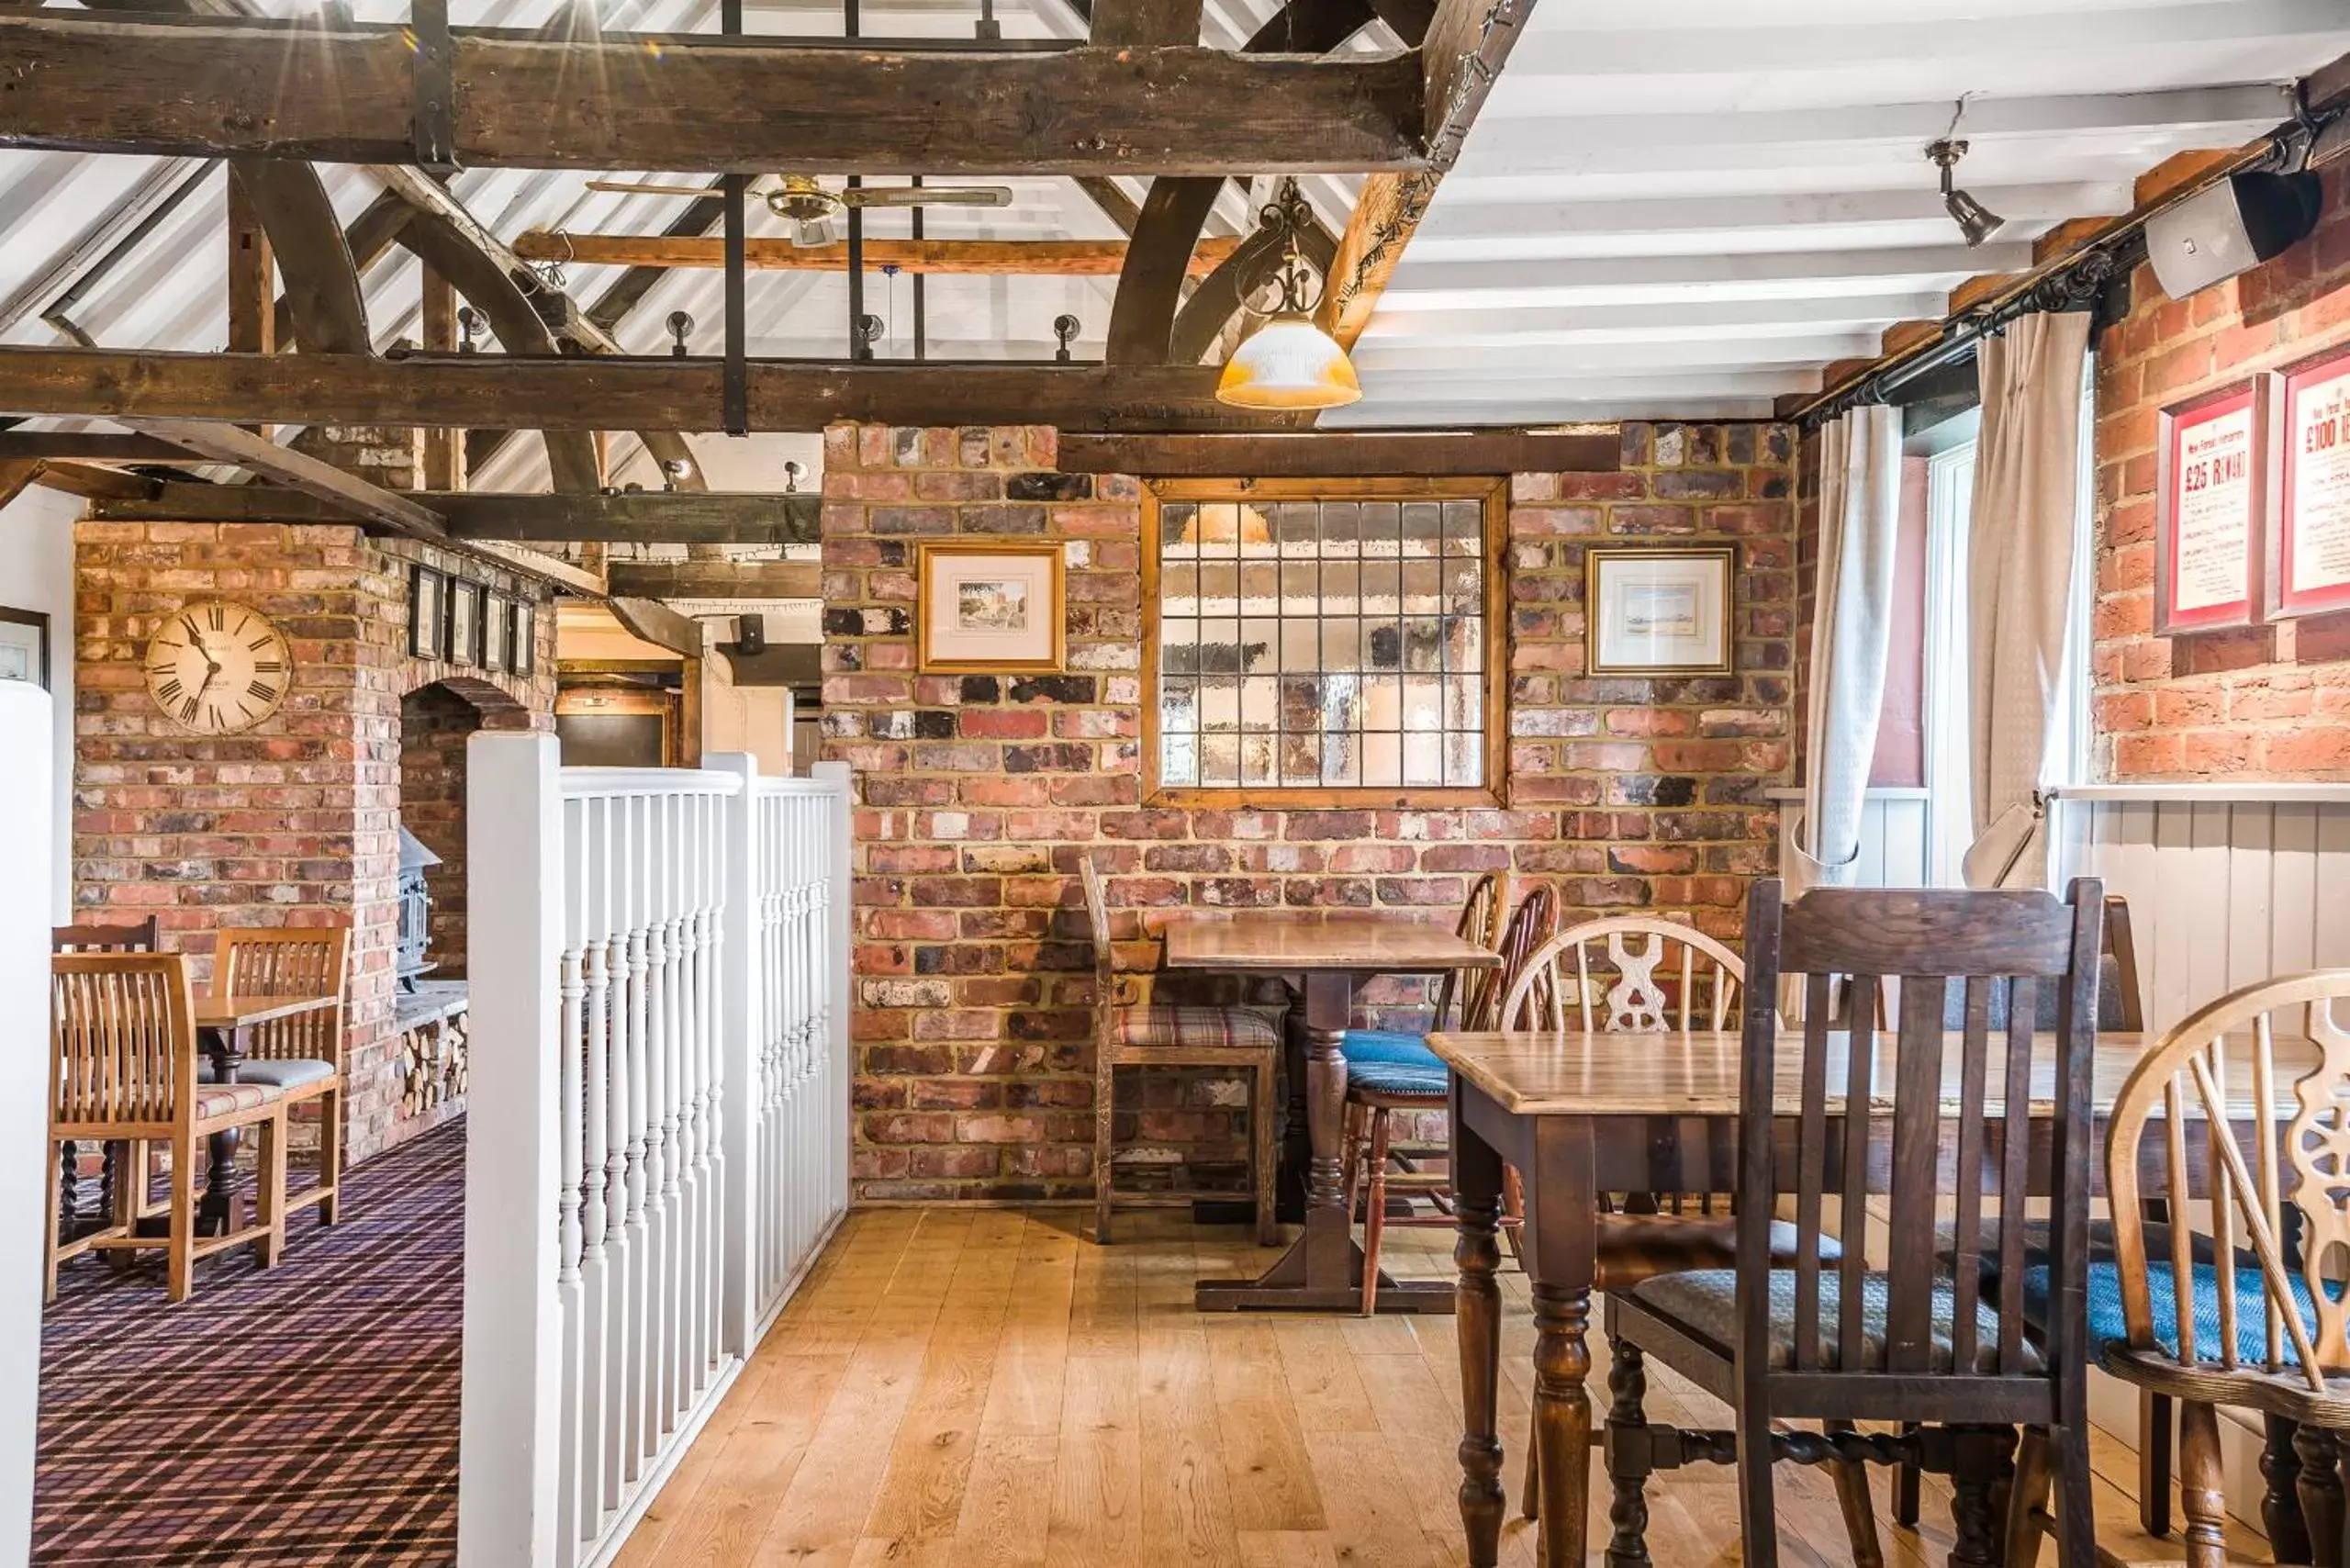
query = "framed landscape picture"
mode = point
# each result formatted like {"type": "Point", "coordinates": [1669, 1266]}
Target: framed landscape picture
{"type": "Point", "coordinates": [428, 618]}
{"type": "Point", "coordinates": [985, 607]}
{"type": "Point", "coordinates": [1658, 612]}
{"type": "Point", "coordinates": [523, 621]}
{"type": "Point", "coordinates": [2212, 497]}
{"type": "Point", "coordinates": [494, 611]}
{"type": "Point", "coordinates": [464, 623]}
{"type": "Point", "coordinates": [2310, 555]}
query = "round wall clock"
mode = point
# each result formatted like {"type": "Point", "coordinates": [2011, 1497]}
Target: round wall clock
{"type": "Point", "coordinates": [217, 666]}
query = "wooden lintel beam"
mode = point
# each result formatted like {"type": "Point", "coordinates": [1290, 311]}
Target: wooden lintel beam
{"type": "Point", "coordinates": [717, 579]}
{"type": "Point", "coordinates": [1015, 258]}
{"type": "Point", "coordinates": [257, 454]}
{"type": "Point", "coordinates": [701, 104]}
{"type": "Point", "coordinates": [1339, 456]}
{"type": "Point", "coordinates": [581, 392]}
{"type": "Point", "coordinates": [621, 517]}
{"type": "Point", "coordinates": [16, 474]}
{"type": "Point", "coordinates": [94, 484]}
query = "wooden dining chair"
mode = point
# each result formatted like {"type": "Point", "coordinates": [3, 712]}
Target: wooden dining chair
{"type": "Point", "coordinates": [302, 1054]}
{"type": "Point", "coordinates": [123, 1065]}
{"type": "Point", "coordinates": [94, 936]}
{"type": "Point", "coordinates": [1129, 1033]}
{"type": "Point", "coordinates": [2236, 1133]}
{"type": "Point", "coordinates": [1381, 1085]}
{"type": "Point", "coordinates": [1916, 1340]}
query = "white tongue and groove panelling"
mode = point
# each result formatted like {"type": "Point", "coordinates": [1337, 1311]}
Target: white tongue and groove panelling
{"type": "Point", "coordinates": [1685, 208]}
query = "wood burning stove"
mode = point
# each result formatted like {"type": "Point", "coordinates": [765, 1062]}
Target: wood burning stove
{"type": "Point", "coordinates": [415, 912]}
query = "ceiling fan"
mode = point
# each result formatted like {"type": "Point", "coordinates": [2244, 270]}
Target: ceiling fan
{"type": "Point", "coordinates": [811, 208]}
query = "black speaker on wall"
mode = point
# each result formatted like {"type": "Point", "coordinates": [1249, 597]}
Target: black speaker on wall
{"type": "Point", "coordinates": [2231, 228]}
{"type": "Point", "coordinates": [750, 634]}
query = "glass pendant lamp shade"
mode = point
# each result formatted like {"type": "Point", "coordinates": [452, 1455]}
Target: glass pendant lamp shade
{"type": "Point", "coordinates": [1288, 362]}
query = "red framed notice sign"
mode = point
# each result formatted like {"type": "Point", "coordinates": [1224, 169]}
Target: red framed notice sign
{"type": "Point", "coordinates": [2212, 498]}
{"type": "Point", "coordinates": [2310, 569]}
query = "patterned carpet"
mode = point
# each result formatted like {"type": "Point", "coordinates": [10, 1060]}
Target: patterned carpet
{"type": "Point", "coordinates": [308, 1414]}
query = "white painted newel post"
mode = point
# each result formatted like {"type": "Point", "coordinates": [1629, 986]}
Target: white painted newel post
{"type": "Point", "coordinates": [509, 1431]}
{"type": "Point", "coordinates": [27, 1199]}
{"type": "Point", "coordinates": [840, 935]}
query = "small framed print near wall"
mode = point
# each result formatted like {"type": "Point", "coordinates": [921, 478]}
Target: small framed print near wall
{"type": "Point", "coordinates": [2309, 559]}
{"type": "Point", "coordinates": [493, 612]}
{"type": "Point", "coordinates": [2211, 496]}
{"type": "Point", "coordinates": [522, 619]}
{"type": "Point", "coordinates": [23, 646]}
{"type": "Point", "coordinates": [428, 615]}
{"type": "Point", "coordinates": [1658, 612]}
{"type": "Point", "coordinates": [987, 606]}
{"type": "Point", "coordinates": [464, 623]}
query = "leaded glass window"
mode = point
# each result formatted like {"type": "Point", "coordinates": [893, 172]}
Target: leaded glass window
{"type": "Point", "coordinates": [1322, 639]}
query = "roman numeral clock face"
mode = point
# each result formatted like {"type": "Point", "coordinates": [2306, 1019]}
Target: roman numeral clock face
{"type": "Point", "coordinates": [216, 667]}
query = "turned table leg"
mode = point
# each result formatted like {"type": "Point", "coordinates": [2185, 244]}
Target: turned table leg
{"type": "Point", "coordinates": [1477, 1180]}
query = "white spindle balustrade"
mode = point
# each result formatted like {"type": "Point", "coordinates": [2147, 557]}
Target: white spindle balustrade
{"type": "Point", "coordinates": [658, 1138]}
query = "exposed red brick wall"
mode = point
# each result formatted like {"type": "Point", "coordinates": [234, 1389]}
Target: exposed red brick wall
{"type": "Point", "coordinates": [293, 821]}
{"type": "Point", "coordinates": [2261, 702]}
{"type": "Point", "coordinates": [976, 794]}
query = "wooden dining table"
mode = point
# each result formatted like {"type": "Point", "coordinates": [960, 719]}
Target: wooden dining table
{"type": "Point", "coordinates": [225, 1023]}
{"type": "Point", "coordinates": [1328, 954]}
{"type": "Point", "coordinates": [1579, 1115]}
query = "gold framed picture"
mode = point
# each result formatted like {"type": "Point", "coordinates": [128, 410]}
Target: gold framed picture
{"type": "Point", "coordinates": [1658, 612]}
{"type": "Point", "coordinates": [987, 606]}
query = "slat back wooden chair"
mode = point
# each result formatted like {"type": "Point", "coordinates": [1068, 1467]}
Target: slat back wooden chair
{"type": "Point", "coordinates": [1378, 1089]}
{"type": "Point", "coordinates": [94, 936]}
{"type": "Point", "coordinates": [1130, 1033]}
{"type": "Point", "coordinates": [1917, 1341]}
{"type": "Point", "coordinates": [2236, 1133]}
{"type": "Point", "coordinates": [302, 1054]}
{"type": "Point", "coordinates": [123, 1065]}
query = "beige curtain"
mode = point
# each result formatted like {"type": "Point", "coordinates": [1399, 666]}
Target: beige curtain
{"type": "Point", "coordinates": [2020, 561]}
{"type": "Point", "coordinates": [1852, 627]}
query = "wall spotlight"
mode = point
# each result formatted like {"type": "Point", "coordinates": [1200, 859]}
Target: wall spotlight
{"type": "Point", "coordinates": [1975, 222]}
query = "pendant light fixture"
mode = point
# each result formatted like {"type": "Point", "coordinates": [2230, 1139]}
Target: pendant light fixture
{"type": "Point", "coordinates": [1288, 362]}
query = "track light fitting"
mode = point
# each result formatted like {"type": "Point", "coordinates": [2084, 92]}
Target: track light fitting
{"type": "Point", "coordinates": [1975, 222]}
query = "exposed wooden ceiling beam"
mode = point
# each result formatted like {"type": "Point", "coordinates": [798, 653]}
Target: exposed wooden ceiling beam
{"type": "Point", "coordinates": [652, 622]}
{"type": "Point", "coordinates": [1015, 258]}
{"type": "Point", "coordinates": [623, 517]}
{"type": "Point", "coordinates": [16, 474]}
{"type": "Point", "coordinates": [94, 484]}
{"type": "Point", "coordinates": [1455, 454]}
{"type": "Point", "coordinates": [93, 446]}
{"type": "Point", "coordinates": [1466, 44]}
{"type": "Point", "coordinates": [324, 303]}
{"type": "Point", "coordinates": [376, 230]}
{"type": "Point", "coordinates": [695, 103]}
{"type": "Point", "coordinates": [717, 579]}
{"type": "Point", "coordinates": [583, 393]}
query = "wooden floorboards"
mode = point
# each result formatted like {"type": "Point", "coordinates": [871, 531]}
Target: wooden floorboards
{"type": "Point", "coordinates": [969, 1388]}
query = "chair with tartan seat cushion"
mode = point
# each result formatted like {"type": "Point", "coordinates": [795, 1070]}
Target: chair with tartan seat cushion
{"type": "Point", "coordinates": [1127, 1034]}
{"type": "Point", "coordinates": [2235, 1127]}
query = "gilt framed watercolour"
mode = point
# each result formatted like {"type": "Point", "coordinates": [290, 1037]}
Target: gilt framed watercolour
{"type": "Point", "coordinates": [2212, 498]}
{"type": "Point", "coordinates": [987, 607]}
{"type": "Point", "coordinates": [2309, 561]}
{"type": "Point", "coordinates": [428, 618]}
{"type": "Point", "coordinates": [1658, 612]}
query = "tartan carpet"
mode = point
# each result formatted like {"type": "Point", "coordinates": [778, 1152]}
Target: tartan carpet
{"type": "Point", "coordinates": [304, 1414]}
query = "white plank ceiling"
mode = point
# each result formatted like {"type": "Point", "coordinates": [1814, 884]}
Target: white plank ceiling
{"type": "Point", "coordinates": [1686, 207]}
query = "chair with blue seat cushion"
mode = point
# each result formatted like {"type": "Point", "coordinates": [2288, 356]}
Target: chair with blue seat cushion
{"type": "Point", "coordinates": [2270, 1335]}
{"type": "Point", "coordinates": [1388, 1072]}
{"type": "Point", "coordinates": [1129, 1033]}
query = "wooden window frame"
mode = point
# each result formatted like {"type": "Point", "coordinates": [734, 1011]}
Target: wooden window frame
{"type": "Point", "coordinates": [1492, 492]}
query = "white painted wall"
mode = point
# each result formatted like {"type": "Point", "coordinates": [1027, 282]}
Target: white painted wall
{"type": "Point", "coordinates": [25, 1199]}
{"type": "Point", "coordinates": [37, 573]}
